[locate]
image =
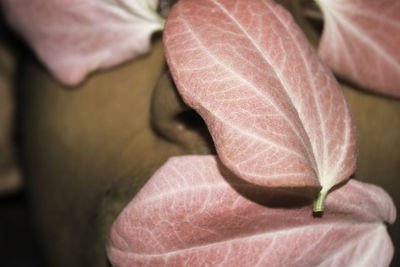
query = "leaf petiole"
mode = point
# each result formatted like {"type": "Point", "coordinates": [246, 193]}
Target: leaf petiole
{"type": "Point", "coordinates": [318, 4]}
{"type": "Point", "coordinates": [319, 202]}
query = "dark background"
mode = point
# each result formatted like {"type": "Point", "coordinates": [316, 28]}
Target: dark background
{"type": "Point", "coordinates": [18, 245]}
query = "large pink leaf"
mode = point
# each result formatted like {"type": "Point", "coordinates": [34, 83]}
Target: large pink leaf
{"type": "Point", "coordinates": [191, 214]}
{"type": "Point", "coordinates": [275, 112]}
{"type": "Point", "coordinates": [361, 42]}
{"type": "Point", "coordinates": [75, 37]}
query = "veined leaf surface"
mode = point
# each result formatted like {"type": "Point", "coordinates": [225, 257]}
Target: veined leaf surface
{"type": "Point", "coordinates": [191, 214]}
{"type": "Point", "coordinates": [276, 113]}
{"type": "Point", "coordinates": [361, 42]}
{"type": "Point", "coordinates": [75, 37]}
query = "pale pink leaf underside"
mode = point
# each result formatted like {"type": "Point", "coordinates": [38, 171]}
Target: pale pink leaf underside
{"type": "Point", "coordinates": [361, 42]}
{"type": "Point", "coordinates": [188, 214]}
{"type": "Point", "coordinates": [76, 37]}
{"type": "Point", "coordinates": [275, 112]}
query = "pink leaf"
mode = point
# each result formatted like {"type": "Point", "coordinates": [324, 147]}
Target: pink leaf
{"type": "Point", "coordinates": [361, 42]}
{"type": "Point", "coordinates": [191, 214]}
{"type": "Point", "coordinates": [75, 37]}
{"type": "Point", "coordinates": [275, 112]}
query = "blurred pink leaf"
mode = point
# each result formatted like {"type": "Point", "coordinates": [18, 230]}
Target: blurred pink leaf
{"type": "Point", "coordinates": [191, 214]}
{"type": "Point", "coordinates": [361, 42]}
{"type": "Point", "coordinates": [275, 112]}
{"type": "Point", "coordinates": [76, 37]}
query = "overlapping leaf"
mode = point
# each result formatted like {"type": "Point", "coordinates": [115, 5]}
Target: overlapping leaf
{"type": "Point", "coordinates": [361, 41]}
{"type": "Point", "coordinates": [191, 214]}
{"type": "Point", "coordinates": [76, 37]}
{"type": "Point", "coordinates": [275, 112]}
